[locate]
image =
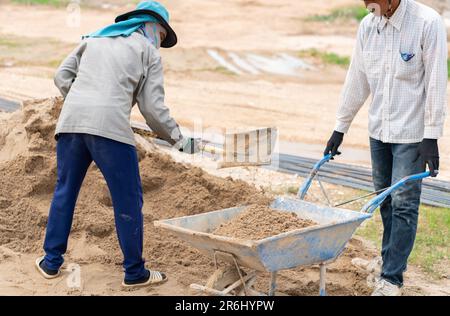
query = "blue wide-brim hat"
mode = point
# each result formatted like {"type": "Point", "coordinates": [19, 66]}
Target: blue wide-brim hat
{"type": "Point", "coordinates": [157, 11]}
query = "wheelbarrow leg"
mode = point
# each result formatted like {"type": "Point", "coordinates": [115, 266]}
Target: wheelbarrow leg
{"type": "Point", "coordinates": [238, 269]}
{"type": "Point", "coordinates": [323, 275]}
{"type": "Point", "coordinates": [273, 283]}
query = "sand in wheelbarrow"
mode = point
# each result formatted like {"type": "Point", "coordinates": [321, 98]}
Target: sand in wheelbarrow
{"type": "Point", "coordinates": [258, 222]}
{"type": "Point", "coordinates": [27, 180]}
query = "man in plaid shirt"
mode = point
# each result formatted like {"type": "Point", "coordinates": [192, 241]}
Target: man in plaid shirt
{"type": "Point", "coordinates": [400, 59]}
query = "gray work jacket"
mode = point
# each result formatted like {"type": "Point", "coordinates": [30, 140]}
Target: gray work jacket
{"type": "Point", "coordinates": [101, 81]}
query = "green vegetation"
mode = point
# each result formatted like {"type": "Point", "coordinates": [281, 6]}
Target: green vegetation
{"type": "Point", "coordinates": [223, 70]}
{"type": "Point", "coordinates": [24, 51]}
{"type": "Point", "coordinates": [432, 242]}
{"type": "Point", "coordinates": [292, 190]}
{"type": "Point", "coordinates": [332, 58]}
{"type": "Point", "coordinates": [327, 57]}
{"type": "Point", "coordinates": [9, 43]}
{"type": "Point", "coordinates": [448, 67]}
{"type": "Point", "coordinates": [431, 251]}
{"type": "Point", "coordinates": [219, 69]}
{"type": "Point", "coordinates": [356, 13]}
{"type": "Point", "coordinates": [54, 63]}
{"type": "Point", "coordinates": [43, 2]}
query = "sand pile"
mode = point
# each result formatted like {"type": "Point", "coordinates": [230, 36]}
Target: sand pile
{"type": "Point", "coordinates": [28, 176]}
{"type": "Point", "coordinates": [259, 222]}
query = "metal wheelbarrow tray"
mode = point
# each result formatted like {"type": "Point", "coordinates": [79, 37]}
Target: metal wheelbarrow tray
{"type": "Point", "coordinates": [306, 246]}
{"type": "Point", "coordinates": [320, 244]}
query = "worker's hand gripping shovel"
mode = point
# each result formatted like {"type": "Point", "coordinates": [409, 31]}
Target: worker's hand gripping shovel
{"type": "Point", "coordinates": [190, 145]}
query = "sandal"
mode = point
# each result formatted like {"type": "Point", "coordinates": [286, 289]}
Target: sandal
{"type": "Point", "coordinates": [153, 278]}
{"type": "Point", "coordinates": [44, 271]}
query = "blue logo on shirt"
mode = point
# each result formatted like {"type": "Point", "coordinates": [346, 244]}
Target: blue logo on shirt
{"type": "Point", "coordinates": [407, 57]}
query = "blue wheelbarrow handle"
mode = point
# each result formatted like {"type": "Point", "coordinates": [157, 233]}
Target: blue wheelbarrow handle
{"type": "Point", "coordinates": [373, 204]}
{"type": "Point", "coordinates": [307, 184]}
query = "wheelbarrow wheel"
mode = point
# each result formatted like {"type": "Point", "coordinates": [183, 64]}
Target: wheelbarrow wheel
{"type": "Point", "coordinates": [223, 278]}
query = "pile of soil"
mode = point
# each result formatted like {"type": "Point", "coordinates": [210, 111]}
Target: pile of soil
{"type": "Point", "coordinates": [27, 180]}
{"type": "Point", "coordinates": [258, 222]}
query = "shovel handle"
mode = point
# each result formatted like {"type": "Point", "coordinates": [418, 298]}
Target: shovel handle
{"type": "Point", "coordinates": [373, 204]}
{"type": "Point", "coordinates": [212, 149]}
{"type": "Point", "coordinates": [307, 184]}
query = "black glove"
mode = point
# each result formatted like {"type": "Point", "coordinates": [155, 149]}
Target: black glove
{"type": "Point", "coordinates": [334, 143]}
{"type": "Point", "coordinates": [429, 155]}
{"type": "Point", "coordinates": [189, 145]}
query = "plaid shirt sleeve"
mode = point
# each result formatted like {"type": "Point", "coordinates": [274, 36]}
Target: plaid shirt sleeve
{"type": "Point", "coordinates": [356, 88]}
{"type": "Point", "coordinates": [436, 76]}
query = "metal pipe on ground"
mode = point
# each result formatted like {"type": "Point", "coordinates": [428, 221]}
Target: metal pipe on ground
{"type": "Point", "coordinates": [435, 192]}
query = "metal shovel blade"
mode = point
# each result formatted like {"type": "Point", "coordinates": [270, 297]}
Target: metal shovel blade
{"type": "Point", "coordinates": [249, 148]}
{"type": "Point", "coordinates": [239, 149]}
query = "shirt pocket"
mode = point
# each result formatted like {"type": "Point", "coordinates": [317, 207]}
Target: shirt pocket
{"type": "Point", "coordinates": [408, 70]}
{"type": "Point", "coordinates": [372, 64]}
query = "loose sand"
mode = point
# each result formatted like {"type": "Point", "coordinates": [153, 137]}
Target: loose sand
{"type": "Point", "coordinates": [28, 175]}
{"type": "Point", "coordinates": [295, 105]}
{"type": "Point", "coordinates": [259, 222]}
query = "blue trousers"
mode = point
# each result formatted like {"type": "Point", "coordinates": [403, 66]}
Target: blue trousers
{"type": "Point", "coordinates": [118, 163]}
{"type": "Point", "coordinates": [400, 211]}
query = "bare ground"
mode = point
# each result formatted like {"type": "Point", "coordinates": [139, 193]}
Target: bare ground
{"type": "Point", "coordinates": [302, 107]}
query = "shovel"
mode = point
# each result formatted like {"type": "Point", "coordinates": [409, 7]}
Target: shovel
{"type": "Point", "coordinates": [239, 149]}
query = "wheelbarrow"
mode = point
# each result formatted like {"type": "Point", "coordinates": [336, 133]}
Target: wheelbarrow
{"type": "Point", "coordinates": [316, 245]}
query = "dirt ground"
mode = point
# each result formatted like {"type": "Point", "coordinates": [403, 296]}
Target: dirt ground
{"type": "Point", "coordinates": [172, 188]}
{"type": "Point", "coordinates": [198, 88]}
